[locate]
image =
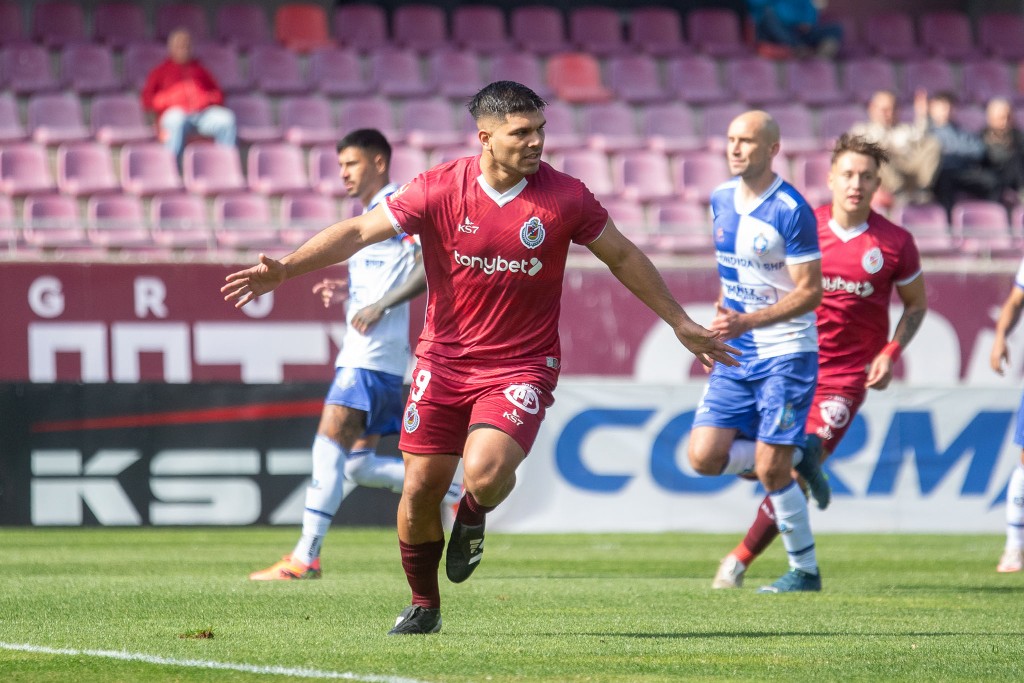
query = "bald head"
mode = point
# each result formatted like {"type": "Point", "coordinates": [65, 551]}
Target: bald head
{"type": "Point", "coordinates": [753, 141]}
{"type": "Point", "coordinates": [179, 46]}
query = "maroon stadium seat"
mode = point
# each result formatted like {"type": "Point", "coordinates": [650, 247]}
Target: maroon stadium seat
{"type": "Point", "coordinates": [119, 23]}
{"type": "Point", "coordinates": [538, 29]}
{"type": "Point", "coordinates": [24, 169]}
{"type": "Point", "coordinates": [242, 24]}
{"type": "Point", "coordinates": [54, 118]}
{"type": "Point", "coordinates": [212, 169]}
{"type": "Point", "coordinates": [610, 127]}
{"type": "Point", "coordinates": [418, 27]}
{"type": "Point", "coordinates": [657, 31]}
{"type": "Point", "coordinates": [86, 168]}
{"type": "Point", "coordinates": [597, 31]}
{"type": "Point", "coordinates": [149, 168]}
{"type": "Point", "coordinates": [644, 176]}
{"type": "Point", "coordinates": [480, 28]}
{"type": "Point", "coordinates": [307, 120]}
{"type": "Point", "coordinates": [362, 26]}
{"type": "Point", "coordinates": [275, 168]}
{"type": "Point", "coordinates": [301, 26]}
{"type": "Point", "coordinates": [58, 23]}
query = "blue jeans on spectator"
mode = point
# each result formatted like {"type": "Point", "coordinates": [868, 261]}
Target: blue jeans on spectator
{"type": "Point", "coordinates": [214, 121]}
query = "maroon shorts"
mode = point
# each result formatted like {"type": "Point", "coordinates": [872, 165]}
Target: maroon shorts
{"type": "Point", "coordinates": [832, 412]}
{"type": "Point", "coordinates": [441, 410]}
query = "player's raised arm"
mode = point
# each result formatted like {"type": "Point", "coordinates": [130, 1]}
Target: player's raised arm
{"type": "Point", "coordinates": [334, 244]}
{"type": "Point", "coordinates": [633, 269]}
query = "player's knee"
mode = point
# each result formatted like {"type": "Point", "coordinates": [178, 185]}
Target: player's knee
{"type": "Point", "coordinates": [706, 463]}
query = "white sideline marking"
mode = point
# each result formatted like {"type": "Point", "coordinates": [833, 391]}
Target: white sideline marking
{"type": "Point", "coordinates": [203, 664]}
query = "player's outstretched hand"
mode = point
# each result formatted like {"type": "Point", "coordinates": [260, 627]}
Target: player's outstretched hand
{"type": "Point", "coordinates": [245, 285]}
{"type": "Point", "coordinates": [706, 345]}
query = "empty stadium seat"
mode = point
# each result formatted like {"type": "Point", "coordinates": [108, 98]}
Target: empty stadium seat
{"type": "Point", "coordinates": [538, 29]}
{"type": "Point", "coordinates": [86, 168]}
{"type": "Point", "coordinates": [11, 25]}
{"type": "Point", "coordinates": [635, 78]}
{"type": "Point", "coordinates": [480, 28]}
{"type": "Point", "coordinates": [276, 70]}
{"type": "Point", "coordinates": [755, 80]}
{"type": "Point", "coordinates": [304, 215]}
{"type": "Point", "coordinates": [27, 69]}
{"type": "Point", "coordinates": [307, 120]}
{"type": "Point", "coordinates": [180, 221]}
{"type": "Point", "coordinates": [396, 73]}
{"type": "Point", "coordinates": [455, 74]}
{"type": "Point", "coordinates": [24, 169]}
{"type": "Point", "coordinates": [695, 80]}
{"type": "Point", "coordinates": [890, 34]}
{"type": "Point", "coordinates": [429, 124]}
{"type": "Point", "coordinates": [657, 31]}
{"type": "Point", "coordinates": [276, 168]}
{"type": "Point", "coordinates": [796, 122]}
{"type": "Point", "coordinates": [407, 163]}
{"type": "Point", "coordinates": [862, 77]}
{"type": "Point", "coordinates": [188, 15]}
{"type": "Point", "coordinates": [324, 171]}
{"type": "Point", "coordinates": [670, 128]}
{"type": "Point", "coordinates": [149, 168]}
{"type": "Point", "coordinates": [1001, 35]}
{"type": "Point", "coordinates": [419, 27]}
{"type": "Point", "coordinates": [947, 34]}
{"type": "Point", "coordinates": [54, 118]}
{"type": "Point", "coordinates": [338, 72]}
{"type": "Point", "coordinates": [301, 26]}
{"type": "Point", "coordinates": [244, 221]}
{"type": "Point", "coordinates": [369, 112]}
{"type": "Point", "coordinates": [929, 224]}
{"type": "Point", "coordinates": [521, 67]}
{"type": "Point", "coordinates": [815, 82]}
{"type": "Point", "coordinates": [982, 228]}
{"type": "Point", "coordinates": [58, 23]}
{"type": "Point", "coordinates": [716, 32]}
{"type": "Point", "coordinates": [715, 120]}
{"type": "Point", "coordinates": [630, 218]}
{"type": "Point", "coordinates": [10, 231]}
{"type": "Point", "coordinates": [610, 127]}
{"type": "Point", "coordinates": [984, 79]}
{"type": "Point", "coordinates": [212, 169]}
{"type": "Point", "coordinates": [88, 68]}
{"type": "Point", "coordinates": [810, 176]}
{"type": "Point", "coordinates": [837, 119]}
{"type": "Point", "coordinates": [118, 24]}
{"type": "Point", "coordinates": [117, 221]}
{"type": "Point", "coordinates": [138, 59]}
{"type": "Point", "coordinates": [576, 77]}
{"type": "Point", "coordinates": [597, 31]}
{"type": "Point", "coordinates": [242, 24]}
{"type": "Point", "coordinates": [254, 117]}
{"type": "Point", "coordinates": [681, 227]}
{"type": "Point", "coordinates": [932, 74]}
{"type": "Point", "coordinates": [11, 129]}
{"type": "Point", "coordinates": [698, 174]}
{"type": "Point", "coordinates": [362, 26]}
{"type": "Point", "coordinates": [643, 176]}
{"type": "Point", "coordinates": [590, 166]}
{"type": "Point", "coordinates": [562, 131]}
{"type": "Point", "coordinates": [223, 63]}
{"type": "Point", "coordinates": [51, 221]}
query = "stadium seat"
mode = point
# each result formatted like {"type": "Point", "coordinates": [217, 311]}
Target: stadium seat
{"type": "Point", "coordinates": [11, 129]}
{"type": "Point", "coordinates": [1001, 35]}
{"type": "Point", "coordinates": [118, 23]}
{"type": "Point", "coordinates": [10, 231]}
{"type": "Point", "coordinates": [755, 80]}
{"type": "Point", "coordinates": [852, 45]}
{"type": "Point", "coordinates": [407, 163]}
{"type": "Point", "coordinates": [188, 15]}
{"type": "Point", "coordinates": [324, 171]}
{"type": "Point", "coordinates": [657, 31]}
{"type": "Point", "coordinates": [837, 119]}
{"type": "Point", "coordinates": [970, 117]}
{"type": "Point", "coordinates": [694, 80]}
{"type": "Point", "coordinates": [86, 168]}
{"type": "Point", "coordinates": [396, 73]}
{"type": "Point", "coordinates": [862, 77]}
{"type": "Point", "coordinates": [575, 77]}
{"type": "Point", "coordinates": [698, 174]}
{"type": "Point", "coordinates": [929, 225]}
{"type": "Point", "coordinates": [931, 74]}
{"type": "Point", "coordinates": [810, 176]}
{"type": "Point", "coordinates": [890, 34]}
{"type": "Point", "coordinates": [630, 218]}
{"type": "Point", "coordinates": [244, 221]}
{"type": "Point", "coordinates": [984, 79]}
{"type": "Point", "coordinates": [254, 117]}
{"type": "Point", "coordinates": [597, 31]}
{"type": "Point", "coordinates": [681, 227]}
{"type": "Point", "coordinates": [11, 24]}
{"type": "Point", "coordinates": [222, 60]}
{"type": "Point", "coordinates": [24, 169]}
{"type": "Point", "coordinates": [520, 67]}
{"type": "Point", "coordinates": [139, 58]}
{"type": "Point", "coordinates": [338, 72]}
{"type": "Point", "coordinates": [88, 68]}
{"type": "Point", "coordinates": [57, 23]}
{"type": "Point", "coordinates": [562, 131]}
{"type": "Point", "coordinates": [429, 124]}
{"type": "Point", "coordinates": [117, 221]}
{"type": "Point", "coordinates": [301, 26]}
{"type": "Point", "coordinates": [360, 26]}
{"type": "Point", "coordinates": [369, 112]}
{"type": "Point", "coordinates": [52, 221]}
{"type": "Point", "coordinates": [276, 71]}
{"type": "Point", "coordinates": [982, 228]}
{"type": "Point", "coordinates": [54, 118]}
{"type": "Point", "coordinates": [538, 29]}
{"type": "Point", "coordinates": [304, 215]}
{"type": "Point", "coordinates": [307, 120]}
{"type": "Point", "coordinates": [715, 123]}
{"type": "Point", "coordinates": [275, 168]}
{"type": "Point", "coordinates": [643, 176]}
{"type": "Point", "coordinates": [670, 128]}
{"type": "Point", "coordinates": [610, 127]}
{"type": "Point", "coordinates": [212, 169]}
{"type": "Point", "coordinates": [947, 35]}
{"type": "Point", "coordinates": [446, 154]}
{"type": "Point", "coordinates": [592, 167]}
{"type": "Point", "coordinates": [418, 27]}
{"type": "Point", "coordinates": [635, 79]}
{"type": "Point", "coordinates": [455, 74]}
{"type": "Point", "coordinates": [815, 82]}
{"type": "Point", "coordinates": [149, 168]}
{"type": "Point", "coordinates": [242, 24]}
{"type": "Point", "coordinates": [480, 28]}
{"type": "Point", "coordinates": [798, 130]}
{"type": "Point", "coordinates": [27, 69]}
{"type": "Point", "coordinates": [179, 221]}
{"type": "Point", "coordinates": [716, 32]}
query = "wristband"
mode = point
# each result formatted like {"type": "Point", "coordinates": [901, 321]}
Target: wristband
{"type": "Point", "coordinates": [893, 350]}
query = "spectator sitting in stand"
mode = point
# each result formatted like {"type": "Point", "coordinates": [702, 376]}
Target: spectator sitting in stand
{"type": "Point", "coordinates": [960, 163]}
{"type": "Point", "coordinates": [795, 24]}
{"type": "Point", "coordinates": [1004, 151]}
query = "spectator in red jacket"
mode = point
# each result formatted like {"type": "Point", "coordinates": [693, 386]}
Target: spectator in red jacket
{"type": "Point", "coordinates": [186, 99]}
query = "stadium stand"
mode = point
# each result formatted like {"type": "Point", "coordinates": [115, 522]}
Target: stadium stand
{"type": "Point", "coordinates": [179, 222]}
{"type": "Point", "coordinates": [54, 118]}
{"type": "Point", "coordinates": [86, 168]}
{"type": "Point", "coordinates": [244, 221]}
{"type": "Point", "coordinates": [421, 28]}
{"type": "Point", "coordinates": [275, 168]}
{"type": "Point", "coordinates": [947, 35]}
{"type": "Point", "coordinates": [24, 170]}
{"type": "Point", "coordinates": [643, 176]}
{"type": "Point", "coordinates": [117, 221]}
{"type": "Point", "coordinates": [657, 31]}
{"type": "Point", "coordinates": [254, 116]}
{"type": "Point", "coordinates": [301, 27]}
{"type": "Point", "coordinates": [480, 29]}
{"type": "Point", "coordinates": [242, 24]}
{"type": "Point", "coordinates": [174, 15]}
{"type": "Point", "coordinates": [610, 127]}
{"type": "Point", "coordinates": [212, 169]}
{"type": "Point", "coordinates": [88, 69]}
{"type": "Point", "coordinates": [363, 27]}
{"type": "Point", "coordinates": [597, 31]}
{"type": "Point", "coordinates": [307, 120]}
{"type": "Point", "coordinates": [338, 72]}
{"type": "Point", "coordinates": [538, 29]}
{"type": "Point", "coordinates": [56, 24]}
{"type": "Point", "coordinates": [117, 24]}
{"type": "Point", "coordinates": [636, 79]}
{"type": "Point", "coordinates": [149, 168]}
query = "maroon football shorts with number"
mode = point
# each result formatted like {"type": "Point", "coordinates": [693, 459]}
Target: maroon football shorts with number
{"type": "Point", "coordinates": [440, 410]}
{"type": "Point", "coordinates": [832, 412]}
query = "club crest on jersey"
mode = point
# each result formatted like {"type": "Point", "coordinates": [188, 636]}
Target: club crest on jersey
{"type": "Point", "coordinates": [412, 418]}
{"type": "Point", "coordinates": [872, 260]}
{"type": "Point", "coordinates": [760, 245]}
{"type": "Point", "coordinates": [523, 396]}
{"type": "Point", "coordinates": [532, 233]}
{"type": "Point", "coordinates": [835, 412]}
{"type": "Point", "coordinates": [787, 418]}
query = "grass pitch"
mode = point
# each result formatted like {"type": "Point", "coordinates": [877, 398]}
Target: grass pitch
{"type": "Point", "coordinates": [610, 607]}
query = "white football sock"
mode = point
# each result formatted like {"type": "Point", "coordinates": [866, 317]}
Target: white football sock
{"type": "Point", "coordinates": [794, 525]}
{"type": "Point", "coordinates": [323, 497]}
{"type": "Point", "coordinates": [742, 458]}
{"type": "Point", "coordinates": [1015, 509]}
{"type": "Point", "coordinates": [366, 468]}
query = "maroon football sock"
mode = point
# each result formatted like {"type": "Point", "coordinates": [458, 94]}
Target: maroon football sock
{"type": "Point", "coordinates": [471, 513]}
{"type": "Point", "coordinates": [420, 562]}
{"type": "Point", "coordinates": [760, 535]}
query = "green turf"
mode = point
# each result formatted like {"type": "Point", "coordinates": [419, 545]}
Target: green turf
{"type": "Point", "coordinates": [636, 608]}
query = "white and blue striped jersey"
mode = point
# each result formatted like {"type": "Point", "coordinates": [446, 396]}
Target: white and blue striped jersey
{"type": "Point", "coordinates": [372, 271]}
{"type": "Point", "coordinates": [754, 245]}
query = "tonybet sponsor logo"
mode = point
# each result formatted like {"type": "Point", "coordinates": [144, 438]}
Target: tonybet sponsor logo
{"type": "Point", "coordinates": [490, 266]}
{"type": "Point", "coordinates": [838, 284]}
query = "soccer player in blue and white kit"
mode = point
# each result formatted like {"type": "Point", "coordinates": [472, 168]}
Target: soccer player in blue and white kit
{"type": "Point", "coordinates": [365, 400]}
{"type": "Point", "coordinates": [751, 417]}
{"type": "Point", "coordinates": [1012, 559]}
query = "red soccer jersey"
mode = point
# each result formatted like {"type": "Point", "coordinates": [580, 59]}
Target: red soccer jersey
{"type": "Point", "coordinates": [860, 268]}
{"type": "Point", "coordinates": [494, 264]}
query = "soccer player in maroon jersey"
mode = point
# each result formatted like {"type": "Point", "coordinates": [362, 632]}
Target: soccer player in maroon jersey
{"type": "Point", "coordinates": [495, 231]}
{"type": "Point", "coordinates": [864, 257]}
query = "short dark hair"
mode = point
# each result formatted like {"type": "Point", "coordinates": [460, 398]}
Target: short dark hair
{"type": "Point", "coordinates": [858, 144]}
{"type": "Point", "coordinates": [945, 96]}
{"type": "Point", "coordinates": [369, 140]}
{"type": "Point", "coordinates": [502, 98]}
